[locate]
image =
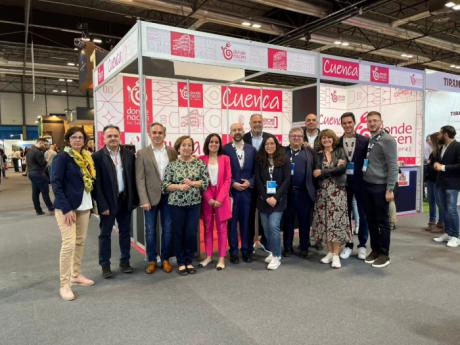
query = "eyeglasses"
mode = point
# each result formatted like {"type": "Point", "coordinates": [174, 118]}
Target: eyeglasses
{"type": "Point", "coordinates": [73, 137]}
{"type": "Point", "coordinates": [297, 136]}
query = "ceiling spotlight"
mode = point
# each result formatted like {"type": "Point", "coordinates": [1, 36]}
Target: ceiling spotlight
{"type": "Point", "coordinates": [97, 40]}
{"type": "Point", "coordinates": [450, 4]}
{"type": "Point", "coordinates": [256, 26]}
{"type": "Point", "coordinates": [345, 44]}
{"type": "Point", "coordinates": [246, 24]}
{"type": "Point", "coordinates": [61, 79]}
{"type": "Point", "coordinates": [76, 49]}
{"type": "Point", "coordinates": [452, 66]}
{"type": "Point", "coordinates": [63, 91]}
{"type": "Point", "coordinates": [69, 80]}
{"type": "Point", "coordinates": [456, 7]}
{"type": "Point", "coordinates": [457, 67]}
{"type": "Point", "coordinates": [85, 39]}
{"type": "Point", "coordinates": [55, 91]}
{"type": "Point", "coordinates": [338, 42]}
{"type": "Point", "coordinates": [70, 64]}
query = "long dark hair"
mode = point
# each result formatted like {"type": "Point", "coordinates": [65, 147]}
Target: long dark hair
{"type": "Point", "coordinates": [279, 157]}
{"type": "Point", "coordinates": [435, 144]}
{"type": "Point", "coordinates": [207, 141]}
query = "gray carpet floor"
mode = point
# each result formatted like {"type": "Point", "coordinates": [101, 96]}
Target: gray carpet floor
{"type": "Point", "coordinates": [413, 301]}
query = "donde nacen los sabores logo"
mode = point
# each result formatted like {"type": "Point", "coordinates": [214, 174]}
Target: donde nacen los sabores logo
{"type": "Point", "coordinates": [132, 101]}
{"type": "Point", "coordinates": [231, 54]}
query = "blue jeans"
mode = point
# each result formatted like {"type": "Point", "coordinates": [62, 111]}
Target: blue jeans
{"type": "Point", "coordinates": [431, 196]}
{"type": "Point", "coordinates": [358, 194]}
{"type": "Point", "coordinates": [437, 195]}
{"type": "Point", "coordinates": [185, 223]}
{"type": "Point", "coordinates": [271, 225]}
{"type": "Point", "coordinates": [151, 219]}
{"type": "Point", "coordinates": [448, 198]}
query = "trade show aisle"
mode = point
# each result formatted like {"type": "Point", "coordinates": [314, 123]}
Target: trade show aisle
{"type": "Point", "coordinates": [413, 301]}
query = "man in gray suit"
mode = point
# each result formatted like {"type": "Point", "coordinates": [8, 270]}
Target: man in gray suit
{"type": "Point", "coordinates": [151, 162]}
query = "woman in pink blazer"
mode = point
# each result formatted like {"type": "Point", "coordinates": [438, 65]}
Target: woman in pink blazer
{"type": "Point", "coordinates": [216, 199]}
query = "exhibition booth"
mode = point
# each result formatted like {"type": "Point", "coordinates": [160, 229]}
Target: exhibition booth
{"type": "Point", "coordinates": [197, 83]}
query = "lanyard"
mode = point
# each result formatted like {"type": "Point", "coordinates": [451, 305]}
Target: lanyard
{"type": "Point", "coordinates": [349, 150]}
{"type": "Point", "coordinates": [270, 171]}
{"type": "Point", "coordinates": [373, 142]}
{"type": "Point", "coordinates": [294, 154]}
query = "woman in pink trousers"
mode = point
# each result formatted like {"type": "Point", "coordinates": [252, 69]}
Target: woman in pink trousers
{"type": "Point", "coordinates": [216, 203]}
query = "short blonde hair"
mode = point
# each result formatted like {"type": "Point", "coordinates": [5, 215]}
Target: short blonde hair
{"type": "Point", "coordinates": [328, 133]}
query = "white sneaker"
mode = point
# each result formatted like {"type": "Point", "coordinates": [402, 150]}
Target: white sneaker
{"type": "Point", "coordinates": [327, 259]}
{"type": "Point", "coordinates": [336, 262]}
{"type": "Point", "coordinates": [346, 252]}
{"type": "Point", "coordinates": [269, 258]}
{"type": "Point", "coordinates": [275, 263]}
{"type": "Point", "coordinates": [362, 253]}
{"type": "Point", "coordinates": [442, 238]}
{"type": "Point", "coordinates": [454, 242]}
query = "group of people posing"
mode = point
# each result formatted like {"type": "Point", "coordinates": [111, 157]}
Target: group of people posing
{"type": "Point", "coordinates": [248, 189]}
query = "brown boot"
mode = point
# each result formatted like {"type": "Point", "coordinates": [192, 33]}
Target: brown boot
{"type": "Point", "coordinates": [430, 226]}
{"type": "Point", "coordinates": [437, 230]}
{"type": "Point", "coordinates": [167, 266]}
{"type": "Point", "coordinates": [151, 267]}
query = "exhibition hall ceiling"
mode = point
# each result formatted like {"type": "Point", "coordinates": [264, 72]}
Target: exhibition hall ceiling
{"type": "Point", "coordinates": [411, 33]}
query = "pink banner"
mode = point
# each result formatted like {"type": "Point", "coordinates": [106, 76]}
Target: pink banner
{"type": "Point", "coordinates": [131, 102]}
{"type": "Point", "coordinates": [241, 98]}
{"type": "Point", "coordinates": [340, 69]}
{"type": "Point", "coordinates": [195, 94]}
{"type": "Point", "coordinates": [277, 59]}
{"type": "Point", "coordinates": [380, 74]}
{"type": "Point", "coordinates": [182, 44]}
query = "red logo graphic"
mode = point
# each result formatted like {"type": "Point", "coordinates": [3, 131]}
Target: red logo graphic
{"type": "Point", "coordinates": [413, 79]}
{"type": "Point", "coordinates": [337, 98]}
{"type": "Point", "coordinates": [241, 98]}
{"type": "Point", "coordinates": [195, 94]}
{"type": "Point", "coordinates": [182, 44]}
{"type": "Point", "coordinates": [131, 102]}
{"type": "Point", "coordinates": [271, 123]}
{"type": "Point", "coordinates": [340, 69]}
{"type": "Point", "coordinates": [100, 74]}
{"type": "Point", "coordinates": [380, 74]}
{"type": "Point", "coordinates": [233, 54]}
{"type": "Point", "coordinates": [361, 128]}
{"type": "Point", "coordinates": [277, 59]}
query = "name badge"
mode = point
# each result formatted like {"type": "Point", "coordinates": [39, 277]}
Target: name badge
{"type": "Point", "coordinates": [365, 165]}
{"type": "Point", "coordinates": [292, 168]}
{"type": "Point", "coordinates": [350, 168]}
{"type": "Point", "coordinates": [271, 187]}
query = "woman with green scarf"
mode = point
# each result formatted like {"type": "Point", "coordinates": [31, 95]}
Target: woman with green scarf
{"type": "Point", "coordinates": [72, 179]}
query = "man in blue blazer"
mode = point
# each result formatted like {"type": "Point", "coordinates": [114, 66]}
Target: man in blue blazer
{"type": "Point", "coordinates": [242, 161]}
{"type": "Point", "coordinates": [116, 197]}
{"type": "Point", "coordinates": [355, 146]}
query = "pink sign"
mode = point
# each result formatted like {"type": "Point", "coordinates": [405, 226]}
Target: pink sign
{"type": "Point", "coordinates": [277, 59]}
{"type": "Point", "coordinates": [195, 94]}
{"type": "Point", "coordinates": [100, 74]}
{"type": "Point", "coordinates": [242, 98]}
{"type": "Point", "coordinates": [380, 74]}
{"type": "Point", "coordinates": [182, 44]}
{"type": "Point", "coordinates": [340, 69]}
{"type": "Point", "coordinates": [131, 102]}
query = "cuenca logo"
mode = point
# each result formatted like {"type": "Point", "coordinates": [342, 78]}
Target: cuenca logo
{"type": "Point", "coordinates": [379, 74]}
{"type": "Point", "coordinates": [277, 59]}
{"type": "Point", "coordinates": [337, 98]}
{"type": "Point", "coordinates": [182, 44]}
{"type": "Point", "coordinates": [340, 69]}
{"type": "Point", "coordinates": [240, 98]}
{"type": "Point", "coordinates": [232, 54]}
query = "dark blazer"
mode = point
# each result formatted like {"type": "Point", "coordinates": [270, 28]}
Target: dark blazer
{"type": "Point", "coordinates": [247, 172]}
{"type": "Point", "coordinates": [282, 176]}
{"type": "Point", "coordinates": [67, 183]}
{"type": "Point", "coordinates": [309, 158]}
{"type": "Point", "coordinates": [450, 179]}
{"type": "Point", "coordinates": [247, 138]}
{"type": "Point", "coordinates": [106, 186]}
{"type": "Point", "coordinates": [335, 171]}
{"type": "Point", "coordinates": [315, 146]}
{"type": "Point", "coordinates": [358, 158]}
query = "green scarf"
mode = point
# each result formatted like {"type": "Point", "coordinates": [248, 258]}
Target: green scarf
{"type": "Point", "coordinates": [86, 165]}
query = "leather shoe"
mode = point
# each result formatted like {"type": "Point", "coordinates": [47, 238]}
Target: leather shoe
{"type": "Point", "coordinates": [191, 269]}
{"type": "Point", "coordinates": [125, 267]}
{"type": "Point", "coordinates": [247, 258]}
{"type": "Point", "coordinates": [287, 252]}
{"type": "Point", "coordinates": [167, 266]}
{"type": "Point", "coordinates": [234, 259]}
{"type": "Point", "coordinates": [151, 267]}
{"type": "Point", "coordinates": [303, 253]}
{"type": "Point", "coordinates": [106, 272]}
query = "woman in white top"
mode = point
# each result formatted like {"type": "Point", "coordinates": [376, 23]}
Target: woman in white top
{"type": "Point", "coordinates": [72, 179]}
{"type": "Point", "coordinates": [216, 199]}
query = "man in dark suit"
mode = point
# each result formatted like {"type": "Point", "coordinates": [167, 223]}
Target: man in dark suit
{"type": "Point", "coordinates": [116, 197]}
{"type": "Point", "coordinates": [255, 137]}
{"type": "Point", "coordinates": [311, 132]}
{"type": "Point", "coordinates": [242, 161]}
{"type": "Point", "coordinates": [448, 181]}
{"type": "Point", "coordinates": [301, 195]}
{"type": "Point", "coordinates": [355, 146]}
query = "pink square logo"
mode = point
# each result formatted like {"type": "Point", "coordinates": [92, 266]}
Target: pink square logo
{"type": "Point", "coordinates": [182, 44]}
{"type": "Point", "coordinates": [100, 74]}
{"type": "Point", "coordinates": [277, 59]}
{"type": "Point", "coordinates": [192, 97]}
{"type": "Point", "coordinates": [380, 74]}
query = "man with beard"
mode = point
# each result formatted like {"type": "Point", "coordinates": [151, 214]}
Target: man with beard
{"type": "Point", "coordinates": [36, 164]}
{"type": "Point", "coordinates": [242, 162]}
{"type": "Point", "coordinates": [448, 182]}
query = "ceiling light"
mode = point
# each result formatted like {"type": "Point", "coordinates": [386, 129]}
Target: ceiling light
{"type": "Point", "coordinates": [457, 67]}
{"type": "Point", "coordinates": [97, 40]}
{"type": "Point", "coordinates": [70, 64]}
{"type": "Point", "coordinates": [61, 79]}
{"type": "Point", "coordinates": [345, 44]}
{"type": "Point", "coordinates": [456, 7]}
{"type": "Point", "coordinates": [450, 4]}
{"type": "Point", "coordinates": [246, 24]}
{"type": "Point", "coordinates": [63, 91]}
{"type": "Point", "coordinates": [256, 26]}
{"type": "Point", "coordinates": [338, 42]}
{"type": "Point", "coordinates": [69, 80]}
{"type": "Point", "coordinates": [75, 48]}
{"type": "Point", "coordinates": [85, 39]}
{"type": "Point", "coordinates": [55, 91]}
{"type": "Point", "coordinates": [452, 66]}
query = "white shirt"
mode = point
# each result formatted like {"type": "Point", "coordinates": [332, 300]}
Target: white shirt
{"type": "Point", "coordinates": [256, 141]}
{"type": "Point", "coordinates": [311, 138]}
{"type": "Point", "coordinates": [86, 202]}
{"type": "Point", "coordinates": [213, 170]}
{"type": "Point", "coordinates": [239, 154]}
{"type": "Point", "coordinates": [349, 146]}
{"type": "Point", "coordinates": [116, 159]}
{"type": "Point", "coordinates": [162, 159]}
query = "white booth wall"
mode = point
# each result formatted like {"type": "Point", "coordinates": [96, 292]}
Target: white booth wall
{"type": "Point", "coordinates": [441, 108]}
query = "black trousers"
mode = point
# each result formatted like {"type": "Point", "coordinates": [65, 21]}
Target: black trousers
{"type": "Point", "coordinates": [378, 219]}
{"type": "Point", "coordinates": [40, 185]}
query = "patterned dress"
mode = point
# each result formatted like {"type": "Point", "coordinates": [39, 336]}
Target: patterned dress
{"type": "Point", "coordinates": [330, 215]}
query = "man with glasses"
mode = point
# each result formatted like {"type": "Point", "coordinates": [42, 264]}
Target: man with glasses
{"type": "Point", "coordinates": [151, 162]}
{"type": "Point", "coordinates": [301, 196]}
{"type": "Point", "coordinates": [116, 197]}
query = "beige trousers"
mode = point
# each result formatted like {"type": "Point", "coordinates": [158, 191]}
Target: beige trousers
{"type": "Point", "coordinates": [72, 246]}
